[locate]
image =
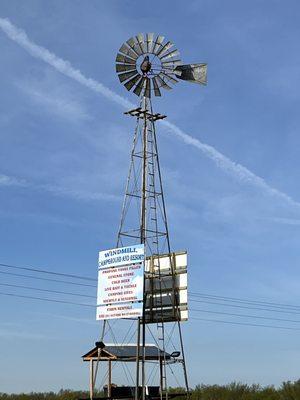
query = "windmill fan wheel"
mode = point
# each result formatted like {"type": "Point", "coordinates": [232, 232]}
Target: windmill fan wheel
{"type": "Point", "coordinates": [146, 63]}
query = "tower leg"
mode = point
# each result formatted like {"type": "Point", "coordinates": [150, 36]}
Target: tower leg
{"type": "Point", "coordinates": [137, 384]}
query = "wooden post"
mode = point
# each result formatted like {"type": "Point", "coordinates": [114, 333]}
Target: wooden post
{"type": "Point", "coordinates": [161, 381]}
{"type": "Point", "coordinates": [109, 379]}
{"type": "Point", "coordinates": [91, 379]}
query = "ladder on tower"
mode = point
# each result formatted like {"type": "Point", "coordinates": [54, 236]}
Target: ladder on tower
{"type": "Point", "coordinates": [162, 359]}
{"type": "Point", "coordinates": [158, 301]}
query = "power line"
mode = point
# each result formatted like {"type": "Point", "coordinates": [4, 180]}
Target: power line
{"type": "Point", "coordinates": [192, 294]}
{"type": "Point", "coordinates": [246, 324]}
{"type": "Point", "coordinates": [44, 271]}
{"type": "Point", "coordinates": [193, 318]}
{"type": "Point", "coordinates": [47, 279]}
{"type": "Point", "coordinates": [245, 315]}
{"type": "Point", "coordinates": [46, 299]}
{"type": "Point", "coordinates": [46, 290]}
{"type": "Point", "coordinates": [239, 300]}
{"type": "Point", "coordinates": [245, 307]}
{"type": "Point", "coordinates": [193, 310]}
{"type": "Point", "coordinates": [241, 303]}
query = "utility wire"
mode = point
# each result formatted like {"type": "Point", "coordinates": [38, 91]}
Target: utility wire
{"type": "Point", "coordinates": [216, 299]}
{"type": "Point", "coordinates": [239, 300]}
{"type": "Point", "coordinates": [246, 324]}
{"type": "Point", "coordinates": [193, 318]}
{"type": "Point", "coordinates": [45, 299]}
{"type": "Point", "coordinates": [47, 279]}
{"type": "Point", "coordinates": [192, 294]}
{"type": "Point", "coordinates": [44, 271]}
{"type": "Point", "coordinates": [245, 315]}
{"type": "Point", "coordinates": [246, 307]}
{"type": "Point", "coordinates": [76, 294]}
{"type": "Point", "coordinates": [46, 290]}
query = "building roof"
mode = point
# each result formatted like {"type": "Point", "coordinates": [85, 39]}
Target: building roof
{"type": "Point", "coordinates": [125, 352]}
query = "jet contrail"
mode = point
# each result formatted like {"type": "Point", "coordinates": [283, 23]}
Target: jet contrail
{"type": "Point", "coordinates": [238, 171]}
{"type": "Point", "coordinates": [20, 37]}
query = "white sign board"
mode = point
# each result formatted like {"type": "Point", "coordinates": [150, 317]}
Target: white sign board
{"type": "Point", "coordinates": [120, 283]}
{"type": "Point", "coordinates": [126, 310]}
{"type": "Point", "coordinates": [121, 256]}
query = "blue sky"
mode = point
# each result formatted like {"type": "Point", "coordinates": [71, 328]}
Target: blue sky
{"type": "Point", "coordinates": [64, 156]}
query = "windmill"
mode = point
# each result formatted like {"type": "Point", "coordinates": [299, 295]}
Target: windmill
{"type": "Point", "coordinates": [142, 279]}
{"type": "Point", "coordinates": [147, 63]}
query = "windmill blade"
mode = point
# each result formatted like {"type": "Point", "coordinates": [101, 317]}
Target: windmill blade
{"type": "Point", "coordinates": [128, 52]}
{"type": "Point", "coordinates": [167, 77]}
{"type": "Point", "coordinates": [124, 67]}
{"type": "Point", "coordinates": [149, 42]}
{"type": "Point", "coordinates": [155, 87]}
{"type": "Point", "coordinates": [158, 44]}
{"type": "Point", "coordinates": [168, 70]}
{"type": "Point", "coordinates": [124, 59]}
{"type": "Point", "coordinates": [148, 88]}
{"type": "Point", "coordinates": [171, 63]}
{"type": "Point", "coordinates": [141, 45]}
{"type": "Point", "coordinates": [139, 86]}
{"type": "Point", "coordinates": [173, 53]}
{"type": "Point", "coordinates": [177, 73]}
{"type": "Point", "coordinates": [164, 49]}
{"type": "Point", "coordinates": [131, 43]}
{"type": "Point", "coordinates": [137, 47]}
{"type": "Point", "coordinates": [123, 77]}
{"type": "Point", "coordinates": [195, 73]}
{"type": "Point", "coordinates": [162, 83]}
{"type": "Point", "coordinates": [170, 66]}
{"type": "Point", "coordinates": [129, 85]}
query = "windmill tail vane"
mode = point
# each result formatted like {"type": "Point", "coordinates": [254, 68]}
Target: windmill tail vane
{"type": "Point", "coordinates": [195, 73]}
{"type": "Point", "coordinates": [146, 63]}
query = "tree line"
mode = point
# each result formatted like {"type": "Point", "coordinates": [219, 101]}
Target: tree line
{"type": "Point", "coordinates": [233, 391]}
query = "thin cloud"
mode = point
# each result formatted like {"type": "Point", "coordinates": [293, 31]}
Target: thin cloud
{"type": "Point", "coordinates": [74, 319]}
{"type": "Point", "coordinates": [6, 180]}
{"type": "Point", "coordinates": [286, 221]}
{"type": "Point", "coordinates": [54, 101]}
{"type": "Point", "coordinates": [13, 334]}
{"type": "Point", "coordinates": [77, 194]}
{"type": "Point", "coordinates": [232, 168]}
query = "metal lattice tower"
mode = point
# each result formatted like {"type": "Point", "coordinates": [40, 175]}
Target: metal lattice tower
{"type": "Point", "coordinates": [147, 64]}
{"type": "Point", "coordinates": [144, 218]}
